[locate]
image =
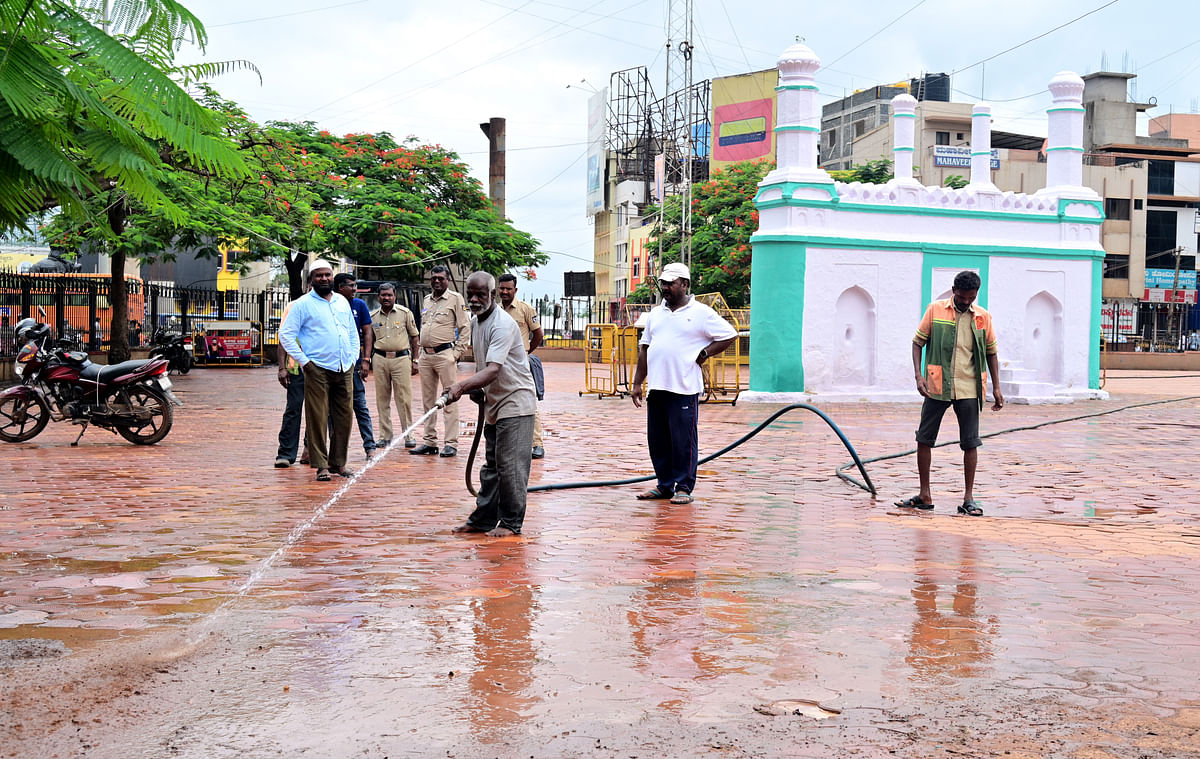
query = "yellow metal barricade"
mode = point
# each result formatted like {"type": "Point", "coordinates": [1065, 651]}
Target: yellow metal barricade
{"type": "Point", "coordinates": [724, 373]}
{"type": "Point", "coordinates": [600, 369]}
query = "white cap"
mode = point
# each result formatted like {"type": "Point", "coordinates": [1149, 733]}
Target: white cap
{"type": "Point", "coordinates": [672, 272]}
{"type": "Point", "coordinates": [320, 263]}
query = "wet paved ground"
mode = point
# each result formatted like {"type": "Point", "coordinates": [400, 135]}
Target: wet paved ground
{"type": "Point", "coordinates": [1064, 623]}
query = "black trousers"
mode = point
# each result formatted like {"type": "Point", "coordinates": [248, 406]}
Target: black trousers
{"type": "Point", "coordinates": [672, 422]}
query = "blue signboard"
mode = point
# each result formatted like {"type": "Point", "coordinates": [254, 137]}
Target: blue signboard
{"type": "Point", "coordinates": [1165, 279]}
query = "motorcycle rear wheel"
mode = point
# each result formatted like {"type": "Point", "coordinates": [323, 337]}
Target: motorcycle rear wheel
{"type": "Point", "coordinates": [185, 363]}
{"type": "Point", "coordinates": [151, 430]}
{"type": "Point", "coordinates": [22, 419]}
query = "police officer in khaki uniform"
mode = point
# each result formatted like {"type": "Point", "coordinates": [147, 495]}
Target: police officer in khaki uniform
{"type": "Point", "coordinates": [445, 337]}
{"type": "Point", "coordinates": [394, 363]}
{"type": "Point", "coordinates": [531, 336]}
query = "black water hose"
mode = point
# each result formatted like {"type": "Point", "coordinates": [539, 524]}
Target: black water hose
{"type": "Point", "coordinates": [763, 425]}
{"type": "Point", "coordinates": [841, 470]}
{"type": "Point", "coordinates": [474, 449]}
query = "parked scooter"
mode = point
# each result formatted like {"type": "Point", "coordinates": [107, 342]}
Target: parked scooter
{"type": "Point", "coordinates": [176, 349]}
{"type": "Point", "coordinates": [132, 399]}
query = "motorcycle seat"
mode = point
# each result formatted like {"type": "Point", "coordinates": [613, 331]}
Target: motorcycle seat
{"type": "Point", "coordinates": [103, 374]}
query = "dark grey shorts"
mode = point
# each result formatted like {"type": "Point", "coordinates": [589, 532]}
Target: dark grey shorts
{"type": "Point", "coordinates": [967, 411]}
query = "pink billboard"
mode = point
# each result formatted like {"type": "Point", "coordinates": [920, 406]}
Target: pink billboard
{"type": "Point", "coordinates": [742, 131]}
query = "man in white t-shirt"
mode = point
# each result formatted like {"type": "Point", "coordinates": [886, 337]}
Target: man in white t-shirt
{"type": "Point", "coordinates": [680, 335]}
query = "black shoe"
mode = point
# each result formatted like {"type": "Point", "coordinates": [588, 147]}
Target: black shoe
{"type": "Point", "coordinates": [382, 444]}
{"type": "Point", "coordinates": [410, 444]}
{"type": "Point", "coordinates": [539, 452]}
{"type": "Point", "coordinates": [448, 451]}
{"type": "Point", "coordinates": [423, 450]}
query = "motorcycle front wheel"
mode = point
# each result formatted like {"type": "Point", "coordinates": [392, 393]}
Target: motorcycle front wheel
{"type": "Point", "coordinates": [147, 403]}
{"type": "Point", "coordinates": [22, 419]}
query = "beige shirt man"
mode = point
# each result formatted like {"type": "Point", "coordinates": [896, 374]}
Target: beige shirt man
{"type": "Point", "coordinates": [527, 321]}
{"type": "Point", "coordinates": [396, 347]}
{"type": "Point", "coordinates": [445, 338]}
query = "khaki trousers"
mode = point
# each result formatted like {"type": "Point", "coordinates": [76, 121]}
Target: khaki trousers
{"type": "Point", "coordinates": [537, 429]}
{"type": "Point", "coordinates": [393, 378]}
{"type": "Point", "coordinates": [328, 402]}
{"type": "Point", "coordinates": [438, 369]}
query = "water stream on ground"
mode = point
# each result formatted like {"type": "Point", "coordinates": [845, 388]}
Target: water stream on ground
{"type": "Point", "coordinates": [206, 625]}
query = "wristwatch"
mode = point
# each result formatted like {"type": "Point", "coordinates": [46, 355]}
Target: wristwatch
{"type": "Point", "coordinates": [704, 353]}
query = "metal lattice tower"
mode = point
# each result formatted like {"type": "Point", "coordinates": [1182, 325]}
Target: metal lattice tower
{"type": "Point", "coordinates": [632, 132]}
{"type": "Point", "coordinates": [678, 117]}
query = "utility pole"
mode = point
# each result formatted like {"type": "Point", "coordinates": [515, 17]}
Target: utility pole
{"type": "Point", "coordinates": [495, 131]}
{"type": "Point", "coordinates": [1174, 289]}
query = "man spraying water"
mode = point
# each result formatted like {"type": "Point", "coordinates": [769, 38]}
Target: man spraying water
{"type": "Point", "coordinates": [502, 381]}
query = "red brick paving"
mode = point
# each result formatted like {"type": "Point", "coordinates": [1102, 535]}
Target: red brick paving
{"type": "Point", "coordinates": [1062, 623]}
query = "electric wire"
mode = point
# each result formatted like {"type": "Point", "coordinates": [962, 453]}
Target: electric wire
{"type": "Point", "coordinates": [409, 65]}
{"type": "Point", "coordinates": [1034, 39]}
{"type": "Point", "coordinates": [520, 47]}
{"type": "Point", "coordinates": [883, 29]}
{"type": "Point", "coordinates": [285, 15]}
{"type": "Point", "coordinates": [551, 180]}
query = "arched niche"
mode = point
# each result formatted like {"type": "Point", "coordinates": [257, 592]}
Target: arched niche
{"type": "Point", "coordinates": [854, 336]}
{"type": "Point", "coordinates": [1043, 347]}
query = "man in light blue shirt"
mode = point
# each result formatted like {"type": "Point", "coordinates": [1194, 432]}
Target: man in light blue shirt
{"type": "Point", "coordinates": [323, 323]}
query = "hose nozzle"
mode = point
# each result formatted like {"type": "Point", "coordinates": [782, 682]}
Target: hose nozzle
{"type": "Point", "coordinates": [442, 401]}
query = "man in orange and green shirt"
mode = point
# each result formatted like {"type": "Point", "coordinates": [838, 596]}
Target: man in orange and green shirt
{"type": "Point", "coordinates": [959, 344]}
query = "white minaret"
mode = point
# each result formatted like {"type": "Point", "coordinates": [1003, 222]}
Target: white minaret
{"type": "Point", "coordinates": [904, 119]}
{"type": "Point", "coordinates": [1064, 140]}
{"type": "Point", "coordinates": [981, 149]}
{"type": "Point", "coordinates": [798, 131]}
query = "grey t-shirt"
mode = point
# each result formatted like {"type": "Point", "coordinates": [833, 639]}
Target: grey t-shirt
{"type": "Point", "coordinates": [497, 340]}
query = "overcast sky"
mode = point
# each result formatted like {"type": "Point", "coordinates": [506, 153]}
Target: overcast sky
{"type": "Point", "coordinates": [438, 69]}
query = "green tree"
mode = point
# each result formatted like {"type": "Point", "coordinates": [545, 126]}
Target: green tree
{"type": "Point", "coordinates": [89, 108]}
{"type": "Point", "coordinates": [723, 218]}
{"type": "Point", "coordinates": [871, 172]}
{"type": "Point", "coordinates": [266, 212]}
{"type": "Point", "coordinates": [955, 182]}
{"type": "Point", "coordinates": [409, 205]}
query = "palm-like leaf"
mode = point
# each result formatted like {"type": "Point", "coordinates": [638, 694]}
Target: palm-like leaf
{"type": "Point", "coordinates": [81, 108]}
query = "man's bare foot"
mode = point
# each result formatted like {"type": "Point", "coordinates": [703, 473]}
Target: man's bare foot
{"type": "Point", "coordinates": [500, 532]}
{"type": "Point", "coordinates": [467, 528]}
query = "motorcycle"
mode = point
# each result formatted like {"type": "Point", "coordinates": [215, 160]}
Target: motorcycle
{"type": "Point", "coordinates": [132, 399]}
{"type": "Point", "coordinates": [176, 349]}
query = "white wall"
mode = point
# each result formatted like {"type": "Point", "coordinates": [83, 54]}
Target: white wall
{"type": "Point", "coordinates": [1187, 179]}
{"type": "Point", "coordinates": [828, 273]}
{"type": "Point", "coordinates": [1013, 282]}
{"type": "Point", "coordinates": [1185, 228]}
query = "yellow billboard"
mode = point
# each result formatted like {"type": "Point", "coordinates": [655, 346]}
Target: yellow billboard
{"type": "Point", "coordinates": [743, 118]}
{"type": "Point", "coordinates": [19, 262]}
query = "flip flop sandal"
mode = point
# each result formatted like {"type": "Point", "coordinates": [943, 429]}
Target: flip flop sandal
{"type": "Point", "coordinates": [681, 498]}
{"type": "Point", "coordinates": [323, 475]}
{"type": "Point", "coordinates": [915, 503]}
{"type": "Point", "coordinates": [655, 494]}
{"type": "Point", "coordinates": [343, 472]}
{"type": "Point", "coordinates": [971, 508]}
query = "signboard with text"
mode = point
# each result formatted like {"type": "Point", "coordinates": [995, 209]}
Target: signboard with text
{"type": "Point", "coordinates": [1126, 316]}
{"type": "Point", "coordinates": [1159, 295]}
{"type": "Point", "coordinates": [1165, 278]}
{"type": "Point", "coordinates": [959, 157]}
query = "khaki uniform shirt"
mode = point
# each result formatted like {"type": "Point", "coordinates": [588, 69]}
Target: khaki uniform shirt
{"type": "Point", "coordinates": [525, 317]}
{"type": "Point", "coordinates": [962, 382]}
{"type": "Point", "coordinates": [445, 320]}
{"type": "Point", "coordinates": [393, 330]}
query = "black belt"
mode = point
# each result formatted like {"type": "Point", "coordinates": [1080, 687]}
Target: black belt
{"type": "Point", "coordinates": [439, 348]}
{"type": "Point", "coordinates": [391, 354]}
